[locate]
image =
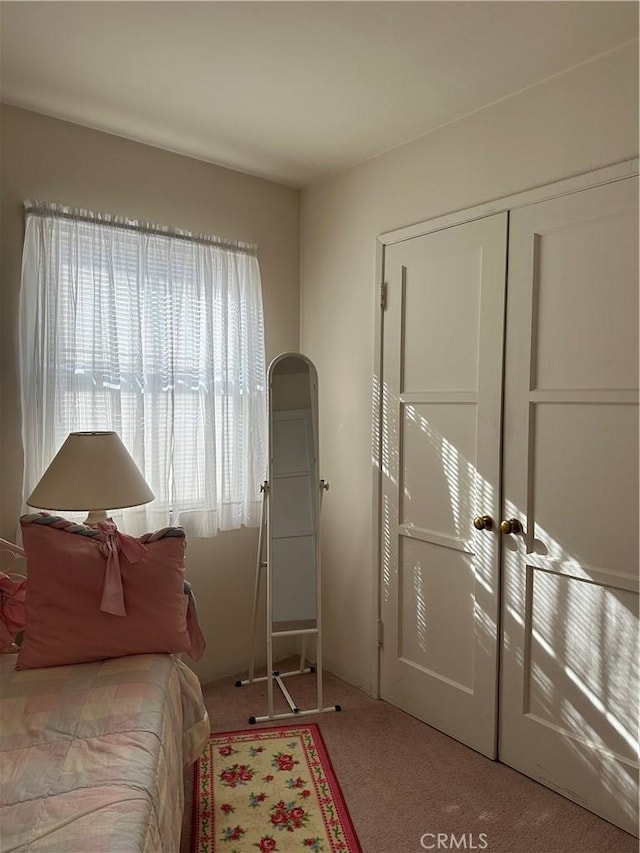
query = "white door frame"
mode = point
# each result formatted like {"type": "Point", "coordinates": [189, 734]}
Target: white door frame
{"type": "Point", "coordinates": [606, 175]}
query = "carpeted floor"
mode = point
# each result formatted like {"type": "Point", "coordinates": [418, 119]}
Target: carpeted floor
{"type": "Point", "coordinates": [402, 779]}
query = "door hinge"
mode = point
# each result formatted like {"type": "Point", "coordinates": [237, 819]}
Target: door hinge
{"type": "Point", "coordinates": [383, 296]}
{"type": "Point", "coordinates": [380, 635]}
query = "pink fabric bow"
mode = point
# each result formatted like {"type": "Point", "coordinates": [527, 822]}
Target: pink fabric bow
{"type": "Point", "coordinates": [12, 594]}
{"type": "Point", "coordinates": [112, 544]}
{"type": "Point", "coordinates": [196, 637]}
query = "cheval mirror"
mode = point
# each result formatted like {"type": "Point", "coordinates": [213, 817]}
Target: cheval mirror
{"type": "Point", "coordinates": [292, 498]}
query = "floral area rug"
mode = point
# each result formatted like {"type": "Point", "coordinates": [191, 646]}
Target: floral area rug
{"type": "Point", "coordinates": [270, 790]}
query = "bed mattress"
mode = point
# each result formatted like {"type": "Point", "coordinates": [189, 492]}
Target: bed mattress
{"type": "Point", "coordinates": [92, 755]}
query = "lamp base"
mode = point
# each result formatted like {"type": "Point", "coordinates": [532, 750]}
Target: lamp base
{"type": "Point", "coordinates": [95, 516]}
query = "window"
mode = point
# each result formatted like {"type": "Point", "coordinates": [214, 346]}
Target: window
{"type": "Point", "coordinates": [157, 334]}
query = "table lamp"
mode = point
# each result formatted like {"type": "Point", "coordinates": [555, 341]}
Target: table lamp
{"type": "Point", "coordinates": [92, 471]}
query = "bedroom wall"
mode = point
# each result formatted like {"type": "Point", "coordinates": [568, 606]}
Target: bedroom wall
{"type": "Point", "coordinates": [581, 120]}
{"type": "Point", "coordinates": [50, 160]}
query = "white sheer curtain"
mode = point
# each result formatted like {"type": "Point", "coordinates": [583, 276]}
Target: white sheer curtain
{"type": "Point", "coordinates": [154, 333]}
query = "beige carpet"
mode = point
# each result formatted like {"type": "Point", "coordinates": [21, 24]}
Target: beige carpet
{"type": "Point", "coordinates": [402, 779]}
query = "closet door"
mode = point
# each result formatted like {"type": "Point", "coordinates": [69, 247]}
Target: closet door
{"type": "Point", "coordinates": [569, 666]}
{"type": "Point", "coordinates": [442, 385]}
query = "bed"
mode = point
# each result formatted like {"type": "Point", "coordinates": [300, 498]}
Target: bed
{"type": "Point", "coordinates": [92, 754]}
{"type": "Point", "coordinates": [96, 732]}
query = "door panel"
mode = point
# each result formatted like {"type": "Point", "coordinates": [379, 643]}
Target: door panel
{"type": "Point", "coordinates": [438, 439]}
{"type": "Point", "coordinates": [585, 455]}
{"type": "Point", "coordinates": [437, 626]}
{"type": "Point", "coordinates": [442, 383]}
{"type": "Point", "coordinates": [594, 610]}
{"type": "Point", "coordinates": [453, 305]}
{"type": "Point", "coordinates": [578, 265]}
{"type": "Point", "coordinates": [569, 666]}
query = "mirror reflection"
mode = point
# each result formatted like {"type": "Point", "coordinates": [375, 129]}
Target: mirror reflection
{"type": "Point", "coordinates": [294, 487]}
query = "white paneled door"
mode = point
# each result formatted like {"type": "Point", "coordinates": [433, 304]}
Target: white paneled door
{"type": "Point", "coordinates": [541, 600]}
{"type": "Point", "coordinates": [569, 673]}
{"type": "Point", "coordinates": [442, 370]}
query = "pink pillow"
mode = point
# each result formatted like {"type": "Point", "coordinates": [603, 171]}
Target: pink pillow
{"type": "Point", "coordinates": [77, 584]}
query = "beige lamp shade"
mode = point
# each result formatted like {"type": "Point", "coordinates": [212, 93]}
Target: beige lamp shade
{"type": "Point", "coordinates": [91, 471]}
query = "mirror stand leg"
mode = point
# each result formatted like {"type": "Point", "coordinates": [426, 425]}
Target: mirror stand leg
{"type": "Point", "coordinates": [303, 652]}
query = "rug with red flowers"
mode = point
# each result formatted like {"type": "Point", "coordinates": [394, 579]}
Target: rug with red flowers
{"type": "Point", "coordinates": [270, 790]}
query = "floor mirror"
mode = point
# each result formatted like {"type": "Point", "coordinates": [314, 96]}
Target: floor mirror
{"type": "Point", "coordinates": [289, 542]}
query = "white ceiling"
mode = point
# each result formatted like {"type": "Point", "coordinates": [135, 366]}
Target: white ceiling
{"type": "Point", "coordinates": [291, 91]}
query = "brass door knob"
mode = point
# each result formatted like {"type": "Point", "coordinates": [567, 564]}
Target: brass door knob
{"type": "Point", "coordinates": [511, 525]}
{"type": "Point", "coordinates": [483, 522]}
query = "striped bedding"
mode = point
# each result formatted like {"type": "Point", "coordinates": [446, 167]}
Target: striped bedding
{"type": "Point", "coordinates": [92, 754]}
